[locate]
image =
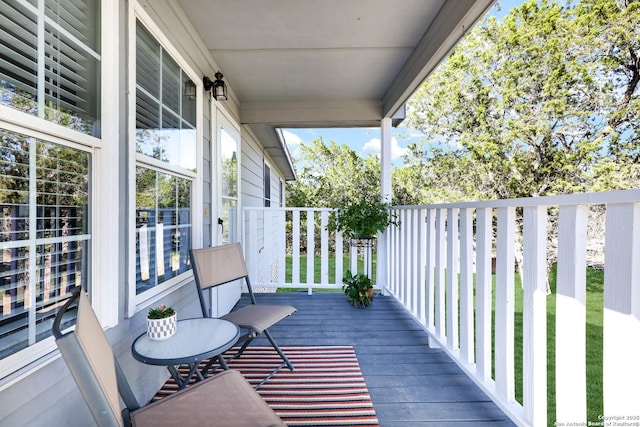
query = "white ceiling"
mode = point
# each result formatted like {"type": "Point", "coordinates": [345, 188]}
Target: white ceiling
{"type": "Point", "coordinates": [322, 63]}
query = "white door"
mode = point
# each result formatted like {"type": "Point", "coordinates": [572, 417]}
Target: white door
{"type": "Point", "coordinates": [226, 196]}
{"type": "Point", "coordinates": [229, 142]}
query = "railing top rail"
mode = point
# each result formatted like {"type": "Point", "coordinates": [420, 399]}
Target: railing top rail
{"type": "Point", "coordinates": [620, 196]}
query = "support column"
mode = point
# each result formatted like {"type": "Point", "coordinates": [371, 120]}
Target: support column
{"type": "Point", "coordinates": [385, 187]}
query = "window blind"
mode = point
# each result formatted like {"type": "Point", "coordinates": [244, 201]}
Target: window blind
{"type": "Point", "coordinates": [56, 78]}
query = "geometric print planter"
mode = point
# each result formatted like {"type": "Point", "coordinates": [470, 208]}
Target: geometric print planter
{"type": "Point", "coordinates": [161, 329]}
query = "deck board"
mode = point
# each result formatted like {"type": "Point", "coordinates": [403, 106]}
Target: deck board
{"type": "Point", "coordinates": [410, 384]}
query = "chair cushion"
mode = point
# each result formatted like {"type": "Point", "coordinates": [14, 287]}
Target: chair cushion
{"type": "Point", "coordinates": [259, 316]}
{"type": "Point", "coordinates": [226, 399]}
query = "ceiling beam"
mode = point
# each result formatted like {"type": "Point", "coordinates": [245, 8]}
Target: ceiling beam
{"type": "Point", "coordinates": [362, 113]}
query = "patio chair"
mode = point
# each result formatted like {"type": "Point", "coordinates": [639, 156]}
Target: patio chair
{"type": "Point", "coordinates": [225, 399]}
{"type": "Point", "coordinates": [218, 265]}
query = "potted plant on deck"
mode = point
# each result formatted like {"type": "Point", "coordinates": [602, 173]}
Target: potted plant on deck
{"type": "Point", "coordinates": [358, 288]}
{"type": "Point", "coordinates": [360, 221]}
{"type": "Point", "coordinates": [161, 322]}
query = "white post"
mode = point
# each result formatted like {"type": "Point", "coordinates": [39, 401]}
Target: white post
{"type": "Point", "coordinates": [385, 187]}
{"type": "Point", "coordinates": [422, 265]}
{"type": "Point", "coordinates": [504, 334]}
{"type": "Point", "coordinates": [535, 315]}
{"type": "Point", "coordinates": [440, 313]}
{"type": "Point", "coordinates": [311, 251]}
{"type": "Point", "coordinates": [452, 299]}
{"type": "Point", "coordinates": [571, 384]}
{"type": "Point", "coordinates": [483, 293]}
{"type": "Point", "coordinates": [324, 248]}
{"type": "Point", "coordinates": [295, 241]}
{"type": "Point", "coordinates": [621, 329]}
{"type": "Point", "coordinates": [466, 286]}
{"type": "Point", "coordinates": [430, 269]}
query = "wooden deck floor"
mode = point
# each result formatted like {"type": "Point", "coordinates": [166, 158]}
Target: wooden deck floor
{"type": "Point", "coordinates": [410, 384]}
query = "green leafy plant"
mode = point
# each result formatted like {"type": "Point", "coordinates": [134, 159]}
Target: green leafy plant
{"type": "Point", "coordinates": [357, 287]}
{"type": "Point", "coordinates": [160, 312]}
{"type": "Point", "coordinates": [363, 218]}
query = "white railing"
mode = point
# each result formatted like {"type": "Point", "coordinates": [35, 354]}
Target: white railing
{"type": "Point", "coordinates": [440, 265]}
{"type": "Point", "coordinates": [311, 255]}
{"type": "Point", "coordinates": [437, 252]}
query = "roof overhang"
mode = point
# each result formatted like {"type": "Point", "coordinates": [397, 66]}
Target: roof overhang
{"type": "Point", "coordinates": [330, 63]}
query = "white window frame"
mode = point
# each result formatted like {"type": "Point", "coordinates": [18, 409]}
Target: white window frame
{"type": "Point", "coordinates": [103, 202]}
{"type": "Point", "coordinates": [139, 302]}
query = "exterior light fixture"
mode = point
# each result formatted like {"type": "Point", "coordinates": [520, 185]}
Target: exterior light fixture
{"type": "Point", "coordinates": [218, 87]}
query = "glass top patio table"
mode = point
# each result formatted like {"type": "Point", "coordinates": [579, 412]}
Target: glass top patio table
{"type": "Point", "coordinates": [194, 341]}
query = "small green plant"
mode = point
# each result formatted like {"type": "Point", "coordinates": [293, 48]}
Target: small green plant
{"type": "Point", "coordinates": [362, 219]}
{"type": "Point", "coordinates": [357, 287]}
{"type": "Point", "coordinates": [160, 312]}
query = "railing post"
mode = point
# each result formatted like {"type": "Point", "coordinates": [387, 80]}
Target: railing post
{"type": "Point", "coordinates": [621, 328]}
{"type": "Point", "coordinates": [504, 335]}
{"type": "Point", "coordinates": [311, 251]}
{"type": "Point", "coordinates": [453, 248]}
{"type": "Point", "coordinates": [440, 314]}
{"type": "Point", "coordinates": [339, 258]}
{"type": "Point", "coordinates": [571, 385]}
{"type": "Point", "coordinates": [483, 293]}
{"type": "Point", "coordinates": [535, 315]}
{"type": "Point", "coordinates": [421, 265]}
{"type": "Point", "coordinates": [431, 263]}
{"type": "Point", "coordinates": [466, 286]}
{"type": "Point", "coordinates": [295, 249]}
{"type": "Point", "coordinates": [324, 248]}
{"type": "Point", "coordinates": [404, 264]}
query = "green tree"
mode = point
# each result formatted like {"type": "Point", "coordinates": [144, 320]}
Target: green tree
{"type": "Point", "coordinates": [332, 175]}
{"type": "Point", "coordinates": [543, 102]}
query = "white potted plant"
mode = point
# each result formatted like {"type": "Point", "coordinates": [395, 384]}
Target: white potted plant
{"type": "Point", "coordinates": [161, 322]}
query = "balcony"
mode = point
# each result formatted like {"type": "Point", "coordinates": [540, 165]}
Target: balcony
{"type": "Point", "coordinates": [449, 277]}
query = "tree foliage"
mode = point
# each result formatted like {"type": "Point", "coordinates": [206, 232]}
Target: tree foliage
{"type": "Point", "coordinates": [332, 175]}
{"type": "Point", "coordinates": [542, 102]}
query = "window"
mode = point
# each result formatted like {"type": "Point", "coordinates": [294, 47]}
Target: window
{"type": "Point", "coordinates": [229, 185]}
{"type": "Point", "coordinates": [166, 164]}
{"type": "Point", "coordinates": [163, 221]}
{"type": "Point", "coordinates": [44, 234]}
{"type": "Point", "coordinates": [267, 186]}
{"type": "Point", "coordinates": [50, 61]}
{"type": "Point", "coordinates": [165, 115]}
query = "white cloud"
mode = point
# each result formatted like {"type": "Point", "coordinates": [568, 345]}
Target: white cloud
{"type": "Point", "coordinates": [291, 138]}
{"type": "Point", "coordinates": [373, 147]}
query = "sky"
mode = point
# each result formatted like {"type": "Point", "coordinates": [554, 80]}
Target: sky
{"type": "Point", "coordinates": [366, 141]}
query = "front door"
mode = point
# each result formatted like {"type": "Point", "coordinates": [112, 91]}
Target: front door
{"type": "Point", "coordinates": [226, 208]}
{"type": "Point", "coordinates": [229, 141]}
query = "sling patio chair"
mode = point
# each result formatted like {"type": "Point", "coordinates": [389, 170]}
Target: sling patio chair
{"type": "Point", "coordinates": [225, 399]}
{"type": "Point", "coordinates": [218, 265]}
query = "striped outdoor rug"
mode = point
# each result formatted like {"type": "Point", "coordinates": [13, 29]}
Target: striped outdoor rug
{"type": "Point", "coordinates": [326, 389]}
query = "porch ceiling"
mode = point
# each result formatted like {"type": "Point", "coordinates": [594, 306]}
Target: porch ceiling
{"type": "Point", "coordinates": [329, 63]}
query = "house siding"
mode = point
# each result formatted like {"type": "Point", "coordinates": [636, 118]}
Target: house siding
{"type": "Point", "coordinates": [44, 393]}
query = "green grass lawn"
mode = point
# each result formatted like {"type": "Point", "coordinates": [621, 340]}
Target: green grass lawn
{"type": "Point", "coordinates": [595, 301]}
{"type": "Point", "coordinates": [595, 286]}
{"type": "Point", "coordinates": [316, 271]}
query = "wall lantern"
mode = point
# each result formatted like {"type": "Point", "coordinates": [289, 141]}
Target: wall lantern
{"type": "Point", "coordinates": [218, 87]}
